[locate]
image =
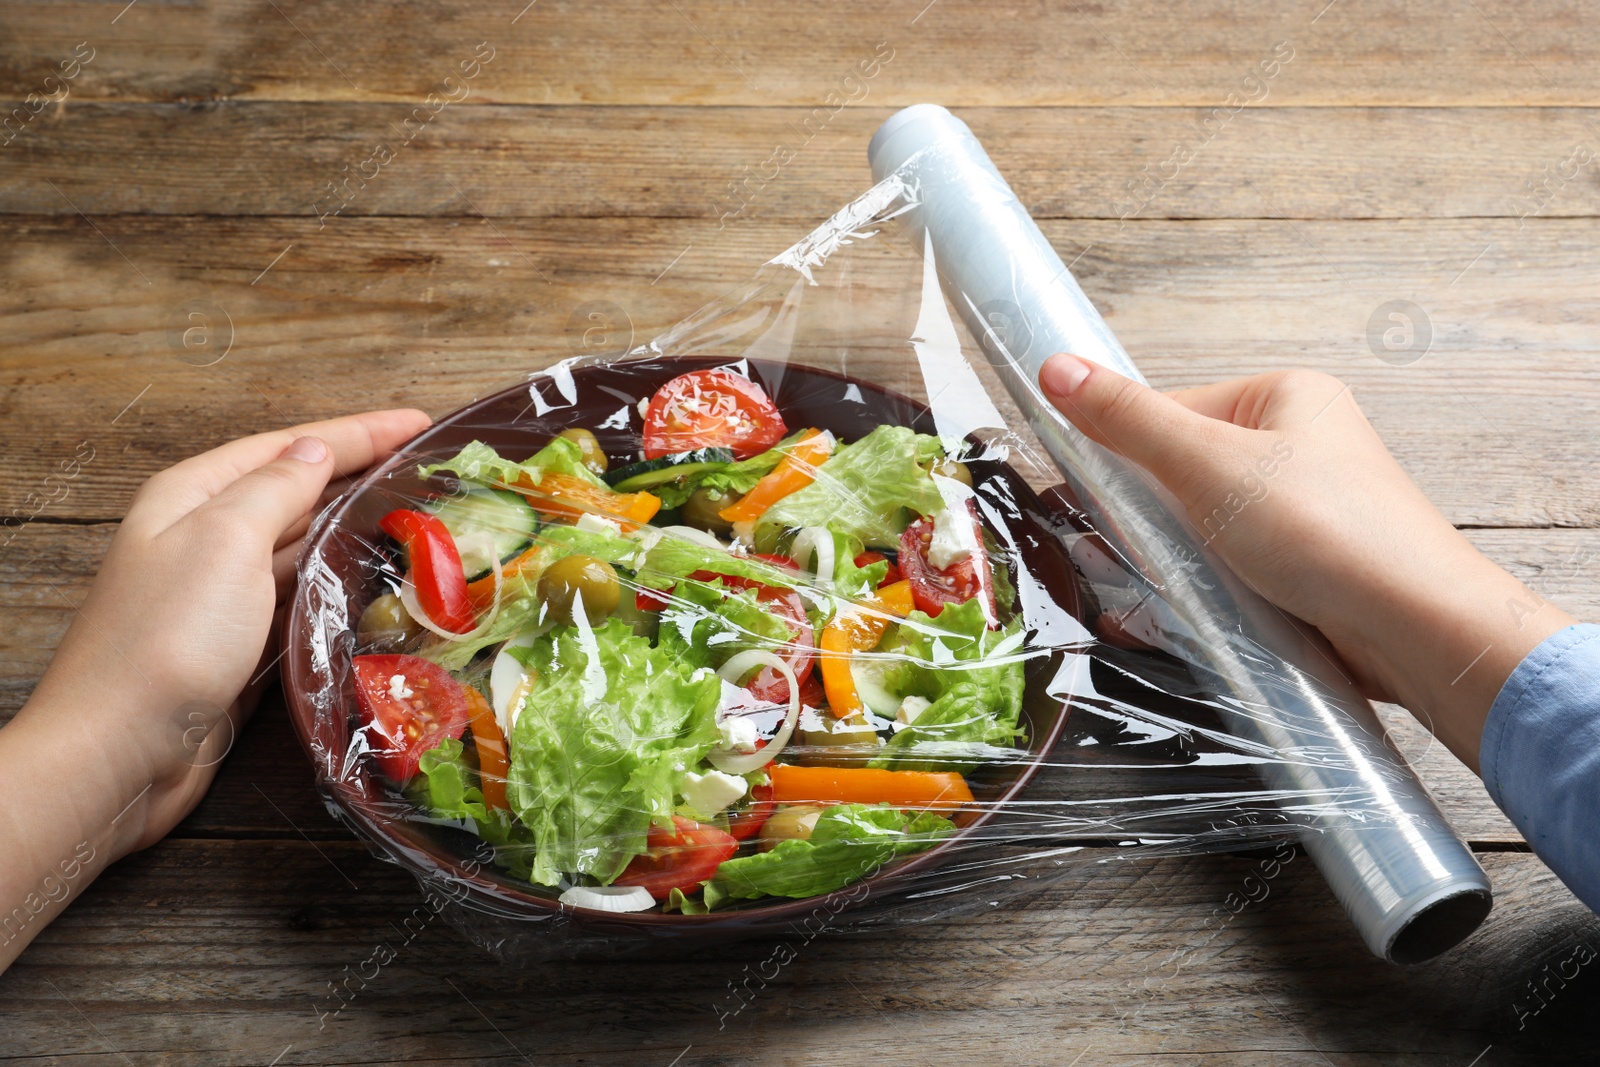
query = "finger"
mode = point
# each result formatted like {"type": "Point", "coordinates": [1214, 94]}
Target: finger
{"type": "Point", "coordinates": [356, 442]}
{"type": "Point", "coordinates": [1150, 428]}
{"type": "Point", "coordinates": [265, 502]}
{"type": "Point", "coordinates": [1223, 401]}
{"type": "Point", "coordinates": [333, 491]}
{"type": "Point", "coordinates": [284, 563]}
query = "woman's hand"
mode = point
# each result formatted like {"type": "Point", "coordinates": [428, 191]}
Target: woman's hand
{"type": "Point", "coordinates": [168, 653]}
{"type": "Point", "coordinates": [1284, 477]}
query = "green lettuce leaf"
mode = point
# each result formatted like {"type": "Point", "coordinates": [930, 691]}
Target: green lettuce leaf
{"type": "Point", "coordinates": [599, 746]}
{"type": "Point", "coordinates": [705, 624]}
{"type": "Point", "coordinates": [446, 785]}
{"type": "Point", "coordinates": [869, 490]}
{"type": "Point", "coordinates": [479, 463]}
{"type": "Point", "coordinates": [969, 672]}
{"type": "Point", "coordinates": [672, 559]}
{"type": "Point", "coordinates": [850, 841]}
{"type": "Point", "coordinates": [849, 581]}
{"type": "Point", "coordinates": [724, 479]}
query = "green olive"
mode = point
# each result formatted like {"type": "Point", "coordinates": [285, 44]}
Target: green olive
{"type": "Point", "coordinates": [589, 446]}
{"type": "Point", "coordinates": [789, 824]}
{"type": "Point", "coordinates": [949, 468]}
{"type": "Point", "coordinates": [702, 507]}
{"type": "Point", "coordinates": [386, 625]}
{"type": "Point", "coordinates": [571, 577]}
{"type": "Point", "coordinates": [846, 742]}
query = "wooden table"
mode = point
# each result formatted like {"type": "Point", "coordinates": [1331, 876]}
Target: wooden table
{"type": "Point", "coordinates": [1415, 152]}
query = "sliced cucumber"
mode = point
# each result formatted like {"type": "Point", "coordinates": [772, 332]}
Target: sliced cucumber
{"type": "Point", "coordinates": [487, 524]}
{"type": "Point", "coordinates": [653, 472]}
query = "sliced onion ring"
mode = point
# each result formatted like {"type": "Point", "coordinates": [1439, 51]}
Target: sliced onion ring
{"type": "Point", "coordinates": [815, 541]}
{"type": "Point", "coordinates": [408, 597]}
{"type": "Point", "coordinates": [608, 897]}
{"type": "Point", "coordinates": [730, 762]}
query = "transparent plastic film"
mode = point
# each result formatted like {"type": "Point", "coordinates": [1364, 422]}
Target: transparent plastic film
{"type": "Point", "coordinates": [809, 607]}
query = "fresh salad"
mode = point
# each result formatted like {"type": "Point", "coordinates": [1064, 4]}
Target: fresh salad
{"type": "Point", "coordinates": [754, 662]}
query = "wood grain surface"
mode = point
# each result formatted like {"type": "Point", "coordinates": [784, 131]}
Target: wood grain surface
{"type": "Point", "coordinates": [1416, 151]}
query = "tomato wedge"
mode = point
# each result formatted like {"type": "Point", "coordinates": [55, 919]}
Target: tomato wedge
{"type": "Point", "coordinates": [408, 705]}
{"type": "Point", "coordinates": [746, 822]}
{"type": "Point", "coordinates": [711, 409]}
{"type": "Point", "coordinates": [958, 583]}
{"type": "Point", "coordinates": [800, 652]}
{"type": "Point", "coordinates": [435, 567]}
{"type": "Point", "coordinates": [679, 858]}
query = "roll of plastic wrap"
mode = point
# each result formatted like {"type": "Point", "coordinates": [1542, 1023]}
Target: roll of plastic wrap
{"type": "Point", "coordinates": [1411, 886]}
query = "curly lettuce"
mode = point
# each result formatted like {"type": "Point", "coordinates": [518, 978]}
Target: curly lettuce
{"type": "Point", "coordinates": [849, 842]}
{"type": "Point", "coordinates": [479, 463]}
{"type": "Point", "coordinates": [972, 676]}
{"type": "Point", "coordinates": [599, 745]}
{"type": "Point", "coordinates": [869, 490]}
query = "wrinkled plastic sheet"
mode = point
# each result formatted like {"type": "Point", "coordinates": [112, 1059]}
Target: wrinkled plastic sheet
{"type": "Point", "coordinates": [1123, 749]}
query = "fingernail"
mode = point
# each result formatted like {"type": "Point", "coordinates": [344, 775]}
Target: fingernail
{"type": "Point", "coordinates": [307, 450]}
{"type": "Point", "coordinates": [1061, 375]}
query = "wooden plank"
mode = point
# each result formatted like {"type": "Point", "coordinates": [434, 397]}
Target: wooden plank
{"type": "Point", "coordinates": [267, 761]}
{"type": "Point", "coordinates": [375, 312]}
{"type": "Point", "coordinates": [186, 953]}
{"type": "Point", "coordinates": [280, 158]}
{"type": "Point", "coordinates": [700, 52]}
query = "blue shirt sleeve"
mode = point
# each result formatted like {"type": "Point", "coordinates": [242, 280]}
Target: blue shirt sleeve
{"type": "Point", "coordinates": [1540, 755]}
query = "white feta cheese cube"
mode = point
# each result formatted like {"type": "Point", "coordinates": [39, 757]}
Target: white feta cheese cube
{"type": "Point", "coordinates": [709, 793]}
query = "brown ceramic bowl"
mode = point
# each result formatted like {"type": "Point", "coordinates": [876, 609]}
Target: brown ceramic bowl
{"type": "Point", "coordinates": [517, 422]}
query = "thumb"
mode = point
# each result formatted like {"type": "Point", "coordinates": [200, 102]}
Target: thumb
{"type": "Point", "coordinates": [275, 496]}
{"type": "Point", "coordinates": [1128, 417]}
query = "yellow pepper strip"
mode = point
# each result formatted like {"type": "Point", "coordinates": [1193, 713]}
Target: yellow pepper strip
{"type": "Point", "coordinates": [906, 790]}
{"type": "Point", "coordinates": [491, 743]}
{"type": "Point", "coordinates": [568, 497]}
{"type": "Point", "coordinates": [857, 631]}
{"type": "Point", "coordinates": [794, 471]}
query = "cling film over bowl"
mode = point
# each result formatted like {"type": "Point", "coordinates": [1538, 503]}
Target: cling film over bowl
{"type": "Point", "coordinates": [795, 607]}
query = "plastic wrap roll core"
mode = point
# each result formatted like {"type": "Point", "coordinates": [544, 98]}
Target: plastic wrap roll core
{"type": "Point", "coordinates": [1411, 886]}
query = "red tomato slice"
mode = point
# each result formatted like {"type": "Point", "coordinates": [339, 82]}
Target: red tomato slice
{"type": "Point", "coordinates": [892, 575]}
{"type": "Point", "coordinates": [800, 652]}
{"type": "Point", "coordinates": [435, 568]}
{"type": "Point", "coordinates": [430, 706]}
{"type": "Point", "coordinates": [711, 409]}
{"type": "Point", "coordinates": [746, 822]}
{"type": "Point", "coordinates": [958, 583]}
{"type": "Point", "coordinates": [680, 858]}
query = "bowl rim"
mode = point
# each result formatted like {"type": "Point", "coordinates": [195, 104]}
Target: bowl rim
{"type": "Point", "coordinates": [399, 840]}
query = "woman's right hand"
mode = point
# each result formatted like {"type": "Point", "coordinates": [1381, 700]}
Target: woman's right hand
{"type": "Point", "coordinates": [1287, 481]}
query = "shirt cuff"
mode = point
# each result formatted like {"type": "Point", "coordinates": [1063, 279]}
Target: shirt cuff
{"type": "Point", "coordinates": [1521, 696]}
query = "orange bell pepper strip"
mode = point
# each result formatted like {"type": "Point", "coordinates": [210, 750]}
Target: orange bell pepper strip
{"type": "Point", "coordinates": [481, 592]}
{"type": "Point", "coordinates": [567, 496]}
{"type": "Point", "coordinates": [857, 630]}
{"type": "Point", "coordinates": [794, 471]}
{"type": "Point", "coordinates": [492, 756]}
{"type": "Point", "coordinates": [907, 790]}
